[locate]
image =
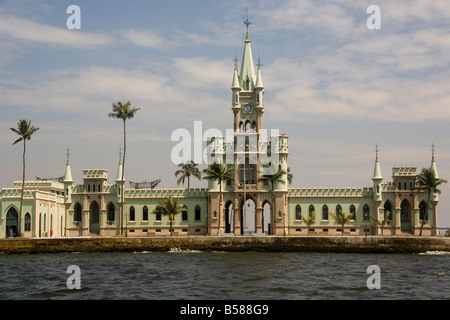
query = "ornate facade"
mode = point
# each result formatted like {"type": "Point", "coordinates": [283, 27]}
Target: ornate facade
{"type": "Point", "coordinates": [249, 205]}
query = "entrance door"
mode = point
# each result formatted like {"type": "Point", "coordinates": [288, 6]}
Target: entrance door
{"type": "Point", "coordinates": [405, 216]}
{"type": "Point", "coordinates": [94, 220]}
{"type": "Point", "coordinates": [248, 222]}
{"type": "Point", "coordinates": [229, 213]}
{"type": "Point", "coordinates": [266, 218]}
{"type": "Point", "coordinates": [12, 222]}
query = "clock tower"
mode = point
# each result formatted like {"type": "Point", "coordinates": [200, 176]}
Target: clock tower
{"type": "Point", "coordinates": [249, 204]}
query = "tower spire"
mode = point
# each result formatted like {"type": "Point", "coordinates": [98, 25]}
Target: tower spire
{"type": "Point", "coordinates": [120, 168]}
{"type": "Point", "coordinates": [247, 75]}
{"type": "Point", "coordinates": [377, 170]}
{"type": "Point", "coordinates": [68, 173]}
{"type": "Point", "coordinates": [433, 161]}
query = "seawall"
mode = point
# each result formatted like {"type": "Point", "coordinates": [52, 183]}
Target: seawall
{"type": "Point", "coordinates": [356, 244]}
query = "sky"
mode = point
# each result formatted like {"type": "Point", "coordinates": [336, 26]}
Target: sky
{"type": "Point", "coordinates": [336, 87]}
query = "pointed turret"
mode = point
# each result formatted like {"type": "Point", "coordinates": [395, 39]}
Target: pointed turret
{"type": "Point", "coordinates": [247, 75]}
{"type": "Point", "coordinates": [433, 163]}
{"type": "Point", "coordinates": [377, 170]}
{"type": "Point", "coordinates": [235, 84]}
{"type": "Point", "coordinates": [120, 168]}
{"type": "Point", "coordinates": [68, 173]}
{"type": "Point", "coordinates": [68, 181]}
{"type": "Point", "coordinates": [259, 82]}
{"type": "Point", "coordinates": [377, 179]}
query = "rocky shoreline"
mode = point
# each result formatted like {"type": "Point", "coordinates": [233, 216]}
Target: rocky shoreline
{"type": "Point", "coordinates": [356, 244]}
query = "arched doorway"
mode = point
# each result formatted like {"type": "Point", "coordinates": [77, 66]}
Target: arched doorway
{"type": "Point", "coordinates": [229, 217]}
{"type": "Point", "coordinates": [248, 221]}
{"type": "Point", "coordinates": [94, 218]}
{"type": "Point", "coordinates": [405, 216]}
{"type": "Point", "coordinates": [12, 222]}
{"type": "Point", "coordinates": [267, 218]}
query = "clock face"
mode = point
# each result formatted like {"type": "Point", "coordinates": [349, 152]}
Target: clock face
{"type": "Point", "coordinates": [247, 108]}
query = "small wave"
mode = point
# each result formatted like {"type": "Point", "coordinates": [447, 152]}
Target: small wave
{"type": "Point", "coordinates": [179, 250]}
{"type": "Point", "coordinates": [435, 253]}
{"type": "Point", "coordinates": [441, 274]}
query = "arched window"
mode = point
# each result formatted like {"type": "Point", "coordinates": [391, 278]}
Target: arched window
{"type": "Point", "coordinates": [247, 126]}
{"type": "Point", "coordinates": [422, 210]}
{"type": "Point", "coordinates": [111, 212]}
{"type": "Point", "coordinates": [184, 214]}
{"type": "Point", "coordinates": [241, 127]}
{"type": "Point", "coordinates": [197, 213]}
{"type": "Point", "coordinates": [93, 188]}
{"type": "Point", "coordinates": [353, 212]}
{"type": "Point", "coordinates": [27, 221]}
{"type": "Point", "coordinates": [145, 213]}
{"type": "Point", "coordinates": [132, 214]}
{"type": "Point", "coordinates": [388, 210]}
{"type": "Point", "coordinates": [366, 212]}
{"type": "Point", "coordinates": [77, 213]}
{"type": "Point", "coordinates": [236, 98]}
{"type": "Point", "coordinates": [254, 126]}
{"type": "Point", "coordinates": [325, 212]}
{"type": "Point", "coordinates": [338, 209]}
{"type": "Point", "coordinates": [311, 210]}
{"type": "Point", "coordinates": [247, 84]}
{"type": "Point", "coordinates": [89, 188]}
{"type": "Point", "coordinates": [298, 212]}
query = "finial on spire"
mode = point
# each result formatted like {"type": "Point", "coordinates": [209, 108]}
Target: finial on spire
{"type": "Point", "coordinates": [120, 155]}
{"type": "Point", "coordinates": [432, 151]}
{"type": "Point", "coordinates": [235, 62]}
{"type": "Point", "coordinates": [259, 62]}
{"type": "Point", "coordinates": [247, 23]}
{"type": "Point", "coordinates": [376, 151]}
{"type": "Point", "coordinates": [67, 154]}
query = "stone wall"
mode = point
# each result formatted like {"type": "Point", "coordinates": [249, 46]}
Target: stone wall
{"type": "Point", "coordinates": [357, 244]}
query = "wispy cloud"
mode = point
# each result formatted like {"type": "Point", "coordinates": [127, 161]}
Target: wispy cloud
{"type": "Point", "coordinates": [19, 29]}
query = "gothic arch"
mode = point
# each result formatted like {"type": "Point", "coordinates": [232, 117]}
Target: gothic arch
{"type": "Point", "coordinates": [267, 217]}
{"type": "Point", "coordinates": [248, 214]}
{"type": "Point", "coordinates": [229, 216]}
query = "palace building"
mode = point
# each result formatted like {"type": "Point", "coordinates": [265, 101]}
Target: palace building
{"type": "Point", "coordinates": [60, 208]}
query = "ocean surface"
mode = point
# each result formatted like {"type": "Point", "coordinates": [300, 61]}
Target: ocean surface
{"type": "Point", "coordinates": [195, 275]}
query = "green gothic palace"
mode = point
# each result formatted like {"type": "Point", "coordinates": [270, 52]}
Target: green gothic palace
{"type": "Point", "coordinates": [60, 208]}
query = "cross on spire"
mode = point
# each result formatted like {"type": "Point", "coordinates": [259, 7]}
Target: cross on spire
{"type": "Point", "coordinates": [246, 21]}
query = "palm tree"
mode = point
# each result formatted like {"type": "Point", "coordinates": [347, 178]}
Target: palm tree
{"type": "Point", "coordinates": [123, 112]}
{"type": "Point", "coordinates": [169, 207]}
{"type": "Point", "coordinates": [25, 130]}
{"type": "Point", "coordinates": [382, 223]}
{"type": "Point", "coordinates": [310, 220]}
{"type": "Point", "coordinates": [275, 178]}
{"type": "Point", "coordinates": [427, 181]}
{"type": "Point", "coordinates": [342, 219]}
{"type": "Point", "coordinates": [187, 170]}
{"type": "Point", "coordinates": [290, 176]}
{"type": "Point", "coordinates": [218, 172]}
